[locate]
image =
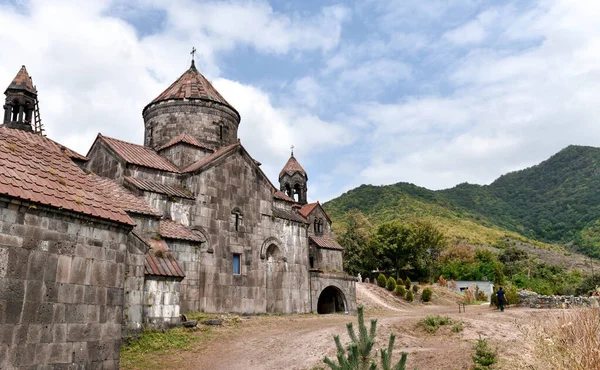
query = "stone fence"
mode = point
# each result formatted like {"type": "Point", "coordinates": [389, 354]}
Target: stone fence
{"type": "Point", "coordinates": [535, 300]}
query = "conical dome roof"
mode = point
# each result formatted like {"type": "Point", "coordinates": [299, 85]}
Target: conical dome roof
{"type": "Point", "coordinates": [22, 81]}
{"type": "Point", "coordinates": [192, 85]}
{"type": "Point", "coordinates": [291, 167]}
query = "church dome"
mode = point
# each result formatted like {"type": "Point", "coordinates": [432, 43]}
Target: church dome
{"type": "Point", "coordinates": [191, 106]}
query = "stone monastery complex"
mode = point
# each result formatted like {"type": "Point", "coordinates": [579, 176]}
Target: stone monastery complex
{"type": "Point", "coordinates": [129, 236]}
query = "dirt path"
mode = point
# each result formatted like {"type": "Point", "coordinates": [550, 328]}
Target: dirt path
{"type": "Point", "coordinates": [301, 341]}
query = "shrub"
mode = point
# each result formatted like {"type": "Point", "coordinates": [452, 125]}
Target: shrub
{"type": "Point", "coordinates": [381, 280]}
{"type": "Point", "coordinates": [400, 290]}
{"type": "Point", "coordinates": [409, 296]}
{"type": "Point", "coordinates": [359, 350]}
{"type": "Point", "coordinates": [442, 282]}
{"type": "Point", "coordinates": [484, 355]}
{"type": "Point", "coordinates": [415, 289]}
{"type": "Point", "coordinates": [391, 284]}
{"type": "Point", "coordinates": [426, 295]}
{"type": "Point", "coordinates": [431, 323]}
{"type": "Point", "coordinates": [469, 297]}
{"type": "Point", "coordinates": [481, 296]}
{"type": "Point", "coordinates": [399, 281]}
{"type": "Point", "coordinates": [457, 327]}
{"type": "Point", "coordinates": [407, 283]}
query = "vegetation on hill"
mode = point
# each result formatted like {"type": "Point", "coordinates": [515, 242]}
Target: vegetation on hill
{"type": "Point", "coordinates": [556, 201]}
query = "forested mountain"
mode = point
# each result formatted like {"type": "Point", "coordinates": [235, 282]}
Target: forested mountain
{"type": "Point", "coordinates": [556, 201]}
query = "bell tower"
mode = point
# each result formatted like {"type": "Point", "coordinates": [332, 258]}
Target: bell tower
{"type": "Point", "coordinates": [20, 104]}
{"type": "Point", "coordinates": [293, 180]}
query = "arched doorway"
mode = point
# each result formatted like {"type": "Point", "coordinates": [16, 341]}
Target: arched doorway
{"type": "Point", "coordinates": [331, 300]}
{"type": "Point", "coordinates": [274, 279]}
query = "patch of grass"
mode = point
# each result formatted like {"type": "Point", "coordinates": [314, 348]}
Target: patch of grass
{"type": "Point", "coordinates": [476, 303]}
{"type": "Point", "coordinates": [431, 323]}
{"type": "Point", "coordinates": [139, 353]}
{"type": "Point", "coordinates": [458, 327]}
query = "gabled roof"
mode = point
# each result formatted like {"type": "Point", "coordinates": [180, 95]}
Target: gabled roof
{"type": "Point", "coordinates": [31, 172]}
{"type": "Point", "coordinates": [307, 209]}
{"type": "Point", "coordinates": [160, 262]}
{"type": "Point", "coordinates": [175, 230]}
{"type": "Point", "coordinates": [291, 167]}
{"type": "Point", "coordinates": [192, 85]}
{"type": "Point", "coordinates": [281, 213]}
{"type": "Point", "coordinates": [157, 187]}
{"type": "Point", "coordinates": [221, 152]}
{"type": "Point", "coordinates": [325, 242]}
{"type": "Point", "coordinates": [184, 138]}
{"type": "Point", "coordinates": [128, 201]}
{"type": "Point", "coordinates": [45, 142]}
{"type": "Point", "coordinates": [282, 196]}
{"type": "Point", "coordinates": [137, 154]}
{"type": "Point", "coordinates": [22, 81]}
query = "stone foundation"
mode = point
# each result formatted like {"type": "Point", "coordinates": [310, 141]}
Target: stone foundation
{"type": "Point", "coordinates": [535, 300]}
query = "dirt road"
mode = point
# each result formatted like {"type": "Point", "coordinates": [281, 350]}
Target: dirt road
{"type": "Point", "coordinates": [301, 341]}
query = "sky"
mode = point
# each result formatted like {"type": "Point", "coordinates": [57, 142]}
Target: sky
{"type": "Point", "coordinates": [434, 93]}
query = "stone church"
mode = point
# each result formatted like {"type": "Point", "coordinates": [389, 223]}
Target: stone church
{"type": "Point", "coordinates": [131, 236]}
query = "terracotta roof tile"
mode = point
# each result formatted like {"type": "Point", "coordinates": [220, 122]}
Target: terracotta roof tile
{"type": "Point", "coordinates": [32, 172]}
{"type": "Point", "coordinates": [191, 85]}
{"type": "Point", "coordinates": [282, 196]}
{"type": "Point", "coordinates": [184, 138]}
{"type": "Point", "coordinates": [307, 209]}
{"type": "Point", "coordinates": [44, 141]}
{"type": "Point", "coordinates": [157, 187]}
{"type": "Point", "coordinates": [138, 154]}
{"type": "Point", "coordinates": [22, 81]}
{"type": "Point", "coordinates": [162, 266]}
{"type": "Point", "coordinates": [281, 213]}
{"type": "Point", "coordinates": [291, 167]}
{"type": "Point", "coordinates": [211, 158]}
{"type": "Point", "coordinates": [326, 243]}
{"type": "Point", "coordinates": [175, 230]}
{"type": "Point", "coordinates": [128, 201]}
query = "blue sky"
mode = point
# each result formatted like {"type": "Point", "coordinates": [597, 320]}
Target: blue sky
{"type": "Point", "coordinates": [430, 92]}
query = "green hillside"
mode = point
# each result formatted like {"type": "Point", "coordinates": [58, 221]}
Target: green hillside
{"type": "Point", "coordinates": [557, 201]}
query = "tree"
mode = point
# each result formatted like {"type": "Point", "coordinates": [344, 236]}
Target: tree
{"type": "Point", "coordinates": [392, 240]}
{"type": "Point", "coordinates": [357, 355]}
{"type": "Point", "coordinates": [354, 236]}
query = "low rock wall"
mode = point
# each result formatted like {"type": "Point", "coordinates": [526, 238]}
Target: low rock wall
{"type": "Point", "coordinates": [535, 300]}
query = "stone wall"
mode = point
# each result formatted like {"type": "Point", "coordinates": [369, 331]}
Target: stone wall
{"type": "Point", "coordinates": [212, 124]}
{"type": "Point", "coordinates": [328, 259]}
{"type": "Point", "coordinates": [104, 162]}
{"type": "Point", "coordinates": [535, 300]}
{"type": "Point", "coordinates": [343, 283]}
{"type": "Point", "coordinates": [237, 184]}
{"type": "Point", "coordinates": [61, 288]}
{"type": "Point", "coordinates": [182, 154]}
{"type": "Point", "coordinates": [189, 256]}
{"type": "Point", "coordinates": [161, 301]}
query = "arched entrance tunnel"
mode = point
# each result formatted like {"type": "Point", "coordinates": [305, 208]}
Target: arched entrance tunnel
{"type": "Point", "coordinates": [331, 300]}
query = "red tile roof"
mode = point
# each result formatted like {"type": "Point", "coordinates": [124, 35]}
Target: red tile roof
{"type": "Point", "coordinates": [22, 81]}
{"type": "Point", "coordinates": [291, 167]}
{"type": "Point", "coordinates": [44, 141]}
{"type": "Point", "coordinates": [157, 187]}
{"type": "Point", "coordinates": [307, 209]}
{"type": "Point", "coordinates": [160, 262]}
{"type": "Point", "coordinates": [174, 230]}
{"type": "Point", "coordinates": [128, 201]}
{"type": "Point", "coordinates": [211, 158]}
{"type": "Point", "coordinates": [282, 196]}
{"type": "Point", "coordinates": [32, 172]}
{"type": "Point", "coordinates": [281, 213]}
{"type": "Point", "coordinates": [192, 85]}
{"type": "Point", "coordinates": [138, 154]}
{"type": "Point", "coordinates": [183, 138]}
{"type": "Point", "coordinates": [326, 243]}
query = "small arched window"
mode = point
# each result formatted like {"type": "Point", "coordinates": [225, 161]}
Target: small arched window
{"type": "Point", "coordinates": [236, 218]}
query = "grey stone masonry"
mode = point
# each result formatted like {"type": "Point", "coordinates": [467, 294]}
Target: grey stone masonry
{"type": "Point", "coordinates": [61, 288]}
{"type": "Point", "coordinates": [212, 124]}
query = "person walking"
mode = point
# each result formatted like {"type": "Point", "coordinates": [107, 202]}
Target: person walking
{"type": "Point", "coordinates": [501, 299]}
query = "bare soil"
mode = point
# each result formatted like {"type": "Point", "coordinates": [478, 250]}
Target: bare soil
{"type": "Point", "coordinates": [301, 341]}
